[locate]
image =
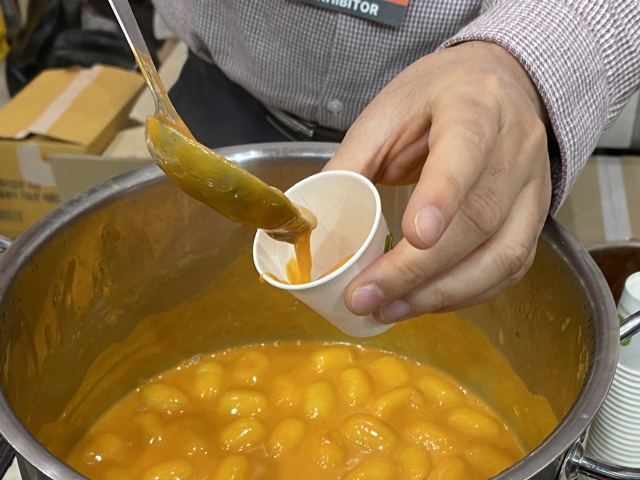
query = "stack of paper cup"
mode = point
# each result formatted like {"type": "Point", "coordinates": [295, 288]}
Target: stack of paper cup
{"type": "Point", "coordinates": [628, 305]}
{"type": "Point", "coordinates": [614, 435]}
{"type": "Point", "coordinates": [350, 222]}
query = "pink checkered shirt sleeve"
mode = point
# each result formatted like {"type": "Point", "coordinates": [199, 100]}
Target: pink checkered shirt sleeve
{"type": "Point", "coordinates": [584, 58]}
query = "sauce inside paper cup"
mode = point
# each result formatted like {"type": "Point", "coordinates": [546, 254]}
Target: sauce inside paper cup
{"type": "Point", "coordinates": [350, 226]}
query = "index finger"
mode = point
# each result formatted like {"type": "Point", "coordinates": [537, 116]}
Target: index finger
{"type": "Point", "coordinates": [387, 143]}
{"type": "Point", "coordinates": [461, 142]}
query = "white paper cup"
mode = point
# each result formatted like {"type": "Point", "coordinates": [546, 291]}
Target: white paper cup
{"type": "Point", "coordinates": [622, 404]}
{"type": "Point", "coordinates": [350, 222]}
{"type": "Point", "coordinates": [608, 446]}
{"type": "Point", "coordinates": [608, 449]}
{"type": "Point", "coordinates": [622, 432]}
{"type": "Point", "coordinates": [628, 374]}
{"type": "Point", "coordinates": [606, 442]}
{"type": "Point", "coordinates": [614, 434]}
{"type": "Point", "coordinates": [623, 420]}
{"type": "Point", "coordinates": [629, 304]}
{"type": "Point", "coordinates": [626, 379]}
{"type": "Point", "coordinates": [609, 443]}
{"type": "Point", "coordinates": [622, 408]}
{"type": "Point", "coordinates": [623, 392]}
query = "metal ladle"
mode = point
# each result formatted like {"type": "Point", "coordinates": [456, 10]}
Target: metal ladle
{"type": "Point", "coordinates": [200, 172]}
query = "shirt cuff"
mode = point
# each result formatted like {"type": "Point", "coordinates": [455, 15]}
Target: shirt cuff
{"type": "Point", "coordinates": [562, 58]}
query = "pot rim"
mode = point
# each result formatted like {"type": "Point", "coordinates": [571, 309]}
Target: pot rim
{"type": "Point", "coordinates": [572, 426]}
{"type": "Point", "coordinates": [628, 242]}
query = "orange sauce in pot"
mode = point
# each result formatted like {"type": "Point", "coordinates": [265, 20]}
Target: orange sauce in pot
{"type": "Point", "coordinates": [291, 410]}
{"type": "Point", "coordinates": [309, 409]}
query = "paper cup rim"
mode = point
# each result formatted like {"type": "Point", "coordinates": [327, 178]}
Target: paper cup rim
{"type": "Point", "coordinates": [603, 441]}
{"type": "Point", "coordinates": [622, 406]}
{"type": "Point", "coordinates": [629, 387]}
{"type": "Point", "coordinates": [622, 411]}
{"type": "Point", "coordinates": [612, 453]}
{"type": "Point", "coordinates": [354, 258]}
{"type": "Point", "coordinates": [627, 374]}
{"type": "Point", "coordinates": [626, 390]}
{"type": "Point", "coordinates": [632, 285]}
{"type": "Point", "coordinates": [619, 418]}
{"type": "Point", "coordinates": [602, 433]}
{"type": "Point", "coordinates": [602, 444]}
{"type": "Point", "coordinates": [627, 427]}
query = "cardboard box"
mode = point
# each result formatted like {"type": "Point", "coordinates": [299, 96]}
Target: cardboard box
{"type": "Point", "coordinates": [76, 173]}
{"type": "Point", "coordinates": [62, 110]}
{"type": "Point", "coordinates": [129, 142]}
{"type": "Point", "coordinates": [604, 204]}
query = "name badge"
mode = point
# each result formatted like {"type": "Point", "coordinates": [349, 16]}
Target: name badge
{"type": "Point", "coordinates": [387, 12]}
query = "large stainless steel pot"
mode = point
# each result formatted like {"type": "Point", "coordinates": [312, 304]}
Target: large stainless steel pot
{"type": "Point", "coordinates": [137, 245]}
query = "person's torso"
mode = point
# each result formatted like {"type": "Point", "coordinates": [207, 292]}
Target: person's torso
{"type": "Point", "coordinates": [319, 64]}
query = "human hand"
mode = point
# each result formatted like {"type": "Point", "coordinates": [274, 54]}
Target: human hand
{"type": "Point", "coordinates": [467, 125]}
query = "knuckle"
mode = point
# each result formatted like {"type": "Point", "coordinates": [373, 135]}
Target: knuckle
{"type": "Point", "coordinates": [435, 299]}
{"type": "Point", "coordinates": [513, 279]}
{"type": "Point", "coordinates": [536, 137]}
{"type": "Point", "coordinates": [538, 131]}
{"type": "Point", "coordinates": [439, 300]}
{"type": "Point", "coordinates": [452, 184]}
{"type": "Point", "coordinates": [473, 119]}
{"type": "Point", "coordinates": [489, 81]}
{"type": "Point", "coordinates": [483, 211]}
{"type": "Point", "coordinates": [512, 260]}
{"type": "Point", "coordinates": [487, 89]}
{"type": "Point", "coordinates": [473, 133]}
{"type": "Point", "coordinates": [409, 270]}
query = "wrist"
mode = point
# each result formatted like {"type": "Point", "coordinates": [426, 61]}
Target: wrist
{"type": "Point", "coordinates": [510, 68]}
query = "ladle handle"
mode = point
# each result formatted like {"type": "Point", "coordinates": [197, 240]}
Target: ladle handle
{"type": "Point", "coordinates": [576, 463]}
{"type": "Point", "coordinates": [131, 30]}
{"type": "Point", "coordinates": [630, 326]}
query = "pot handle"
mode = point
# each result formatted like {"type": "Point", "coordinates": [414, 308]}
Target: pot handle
{"type": "Point", "coordinates": [4, 243]}
{"type": "Point", "coordinates": [630, 326]}
{"type": "Point", "coordinates": [576, 463]}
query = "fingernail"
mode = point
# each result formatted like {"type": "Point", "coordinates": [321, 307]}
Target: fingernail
{"type": "Point", "coordinates": [366, 299]}
{"type": "Point", "coordinates": [428, 224]}
{"type": "Point", "coordinates": [395, 311]}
